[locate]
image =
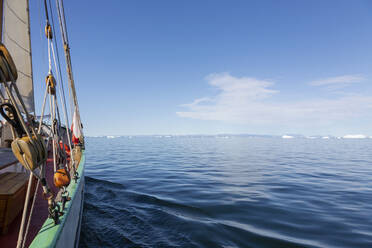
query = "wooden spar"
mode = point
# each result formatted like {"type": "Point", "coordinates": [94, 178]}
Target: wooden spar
{"type": "Point", "coordinates": [70, 76]}
{"type": "Point", "coordinates": [66, 46]}
{"type": "Point", "coordinates": [29, 40]}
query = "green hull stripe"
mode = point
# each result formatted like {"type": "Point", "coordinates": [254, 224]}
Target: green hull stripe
{"type": "Point", "coordinates": [49, 233]}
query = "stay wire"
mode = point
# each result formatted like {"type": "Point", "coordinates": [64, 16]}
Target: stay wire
{"type": "Point", "coordinates": [46, 11]}
{"type": "Point", "coordinates": [59, 61]}
{"type": "Point", "coordinates": [61, 88]}
{"type": "Point", "coordinates": [62, 21]}
{"type": "Point", "coordinates": [62, 96]}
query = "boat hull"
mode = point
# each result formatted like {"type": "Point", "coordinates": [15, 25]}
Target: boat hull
{"type": "Point", "coordinates": [69, 236]}
{"type": "Point", "coordinates": [67, 232]}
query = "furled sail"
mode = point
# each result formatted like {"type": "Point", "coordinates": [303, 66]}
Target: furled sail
{"type": "Point", "coordinates": [16, 38]}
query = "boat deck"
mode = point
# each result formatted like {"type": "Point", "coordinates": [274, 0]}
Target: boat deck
{"type": "Point", "coordinates": [39, 215]}
{"type": "Point", "coordinates": [7, 158]}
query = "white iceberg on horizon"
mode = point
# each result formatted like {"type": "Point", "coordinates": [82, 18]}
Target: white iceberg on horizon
{"type": "Point", "coordinates": [287, 137]}
{"type": "Point", "coordinates": [112, 137]}
{"type": "Point", "coordinates": [325, 137]}
{"type": "Point", "coordinates": [354, 136]}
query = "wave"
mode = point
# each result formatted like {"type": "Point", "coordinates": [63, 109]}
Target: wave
{"type": "Point", "coordinates": [115, 216]}
{"type": "Point", "coordinates": [92, 181]}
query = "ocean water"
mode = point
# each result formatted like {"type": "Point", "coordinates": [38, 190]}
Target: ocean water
{"type": "Point", "coordinates": [227, 192]}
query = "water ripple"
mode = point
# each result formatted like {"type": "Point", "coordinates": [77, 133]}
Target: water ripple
{"type": "Point", "coordinates": [237, 192]}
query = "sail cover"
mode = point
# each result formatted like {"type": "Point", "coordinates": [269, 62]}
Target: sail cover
{"type": "Point", "coordinates": [77, 133]}
{"type": "Point", "coordinates": [16, 38]}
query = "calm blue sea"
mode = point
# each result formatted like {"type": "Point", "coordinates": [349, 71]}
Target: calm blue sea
{"type": "Point", "coordinates": [227, 192]}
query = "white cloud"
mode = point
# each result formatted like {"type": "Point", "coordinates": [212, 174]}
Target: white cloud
{"type": "Point", "coordinates": [249, 101]}
{"type": "Point", "coordinates": [196, 102]}
{"type": "Point", "coordinates": [343, 80]}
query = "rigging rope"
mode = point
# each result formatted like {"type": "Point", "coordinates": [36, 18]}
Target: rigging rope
{"type": "Point", "coordinates": [54, 51]}
{"type": "Point", "coordinates": [59, 73]}
{"type": "Point", "coordinates": [62, 21]}
{"type": "Point", "coordinates": [47, 193]}
{"type": "Point", "coordinates": [62, 96]}
{"type": "Point", "coordinates": [55, 134]}
{"type": "Point", "coordinates": [20, 234]}
{"type": "Point", "coordinates": [30, 214]}
{"type": "Point", "coordinates": [46, 11]}
{"type": "Point", "coordinates": [42, 110]}
{"type": "Point", "coordinates": [41, 26]}
{"type": "Point", "coordinates": [32, 143]}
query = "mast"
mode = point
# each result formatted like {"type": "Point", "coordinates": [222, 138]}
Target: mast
{"type": "Point", "coordinates": [30, 47]}
{"type": "Point", "coordinates": [70, 75]}
{"type": "Point", "coordinates": [77, 132]}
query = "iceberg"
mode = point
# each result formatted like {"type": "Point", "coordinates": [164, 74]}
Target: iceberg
{"type": "Point", "coordinates": [287, 137]}
{"type": "Point", "coordinates": [111, 136]}
{"type": "Point", "coordinates": [354, 136]}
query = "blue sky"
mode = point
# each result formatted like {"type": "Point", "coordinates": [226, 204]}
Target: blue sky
{"type": "Point", "coordinates": [207, 67]}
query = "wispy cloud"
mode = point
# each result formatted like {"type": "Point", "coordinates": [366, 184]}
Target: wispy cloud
{"type": "Point", "coordinates": [249, 100]}
{"type": "Point", "coordinates": [343, 80]}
